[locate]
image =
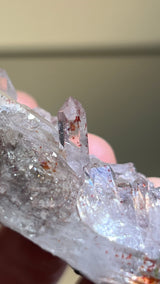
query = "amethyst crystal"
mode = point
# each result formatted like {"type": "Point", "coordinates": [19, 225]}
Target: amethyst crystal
{"type": "Point", "coordinates": [101, 219]}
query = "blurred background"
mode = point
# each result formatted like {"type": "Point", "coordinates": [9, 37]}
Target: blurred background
{"type": "Point", "coordinates": [104, 53]}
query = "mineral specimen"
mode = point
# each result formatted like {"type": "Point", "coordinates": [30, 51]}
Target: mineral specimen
{"type": "Point", "coordinates": [101, 219]}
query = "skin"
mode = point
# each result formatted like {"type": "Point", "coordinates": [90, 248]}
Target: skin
{"type": "Point", "coordinates": [22, 262]}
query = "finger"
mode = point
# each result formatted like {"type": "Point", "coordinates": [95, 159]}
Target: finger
{"type": "Point", "coordinates": [101, 149]}
{"type": "Point", "coordinates": [22, 262]}
{"type": "Point", "coordinates": [155, 180]}
{"type": "Point", "coordinates": [24, 98]}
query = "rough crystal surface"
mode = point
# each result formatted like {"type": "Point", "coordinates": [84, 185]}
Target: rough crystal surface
{"type": "Point", "coordinates": [102, 219]}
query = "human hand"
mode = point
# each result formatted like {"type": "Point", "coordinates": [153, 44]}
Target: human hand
{"type": "Point", "coordinates": [22, 262]}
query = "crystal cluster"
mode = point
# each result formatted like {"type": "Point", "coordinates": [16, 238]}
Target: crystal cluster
{"type": "Point", "coordinates": [101, 219]}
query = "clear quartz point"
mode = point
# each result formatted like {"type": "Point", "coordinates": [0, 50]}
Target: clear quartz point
{"type": "Point", "coordinates": [73, 135]}
{"type": "Point", "coordinates": [101, 219]}
{"type": "Point", "coordinates": [6, 85]}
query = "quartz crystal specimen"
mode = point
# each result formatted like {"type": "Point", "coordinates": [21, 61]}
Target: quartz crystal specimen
{"type": "Point", "coordinates": [103, 220]}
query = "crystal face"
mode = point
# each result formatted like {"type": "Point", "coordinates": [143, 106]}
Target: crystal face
{"type": "Point", "coordinates": [6, 85]}
{"type": "Point", "coordinates": [73, 136]}
{"type": "Point", "coordinates": [101, 219]}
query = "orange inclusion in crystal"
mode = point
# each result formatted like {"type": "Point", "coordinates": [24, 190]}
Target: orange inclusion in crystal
{"type": "Point", "coordinates": [72, 126]}
{"type": "Point", "coordinates": [45, 165]}
{"type": "Point", "coordinates": [145, 280]}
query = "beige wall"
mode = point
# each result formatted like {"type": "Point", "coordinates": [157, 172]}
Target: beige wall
{"type": "Point", "coordinates": [63, 24]}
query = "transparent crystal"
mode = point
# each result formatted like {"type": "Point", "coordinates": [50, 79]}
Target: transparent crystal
{"type": "Point", "coordinates": [73, 135]}
{"type": "Point", "coordinates": [6, 85]}
{"type": "Point", "coordinates": [101, 219]}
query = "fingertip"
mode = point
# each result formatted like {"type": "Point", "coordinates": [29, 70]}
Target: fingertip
{"type": "Point", "coordinates": [155, 180]}
{"type": "Point", "coordinates": [101, 149]}
{"type": "Point", "coordinates": [25, 99]}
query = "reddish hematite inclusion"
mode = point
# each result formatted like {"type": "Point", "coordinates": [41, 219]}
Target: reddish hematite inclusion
{"type": "Point", "coordinates": [73, 135]}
